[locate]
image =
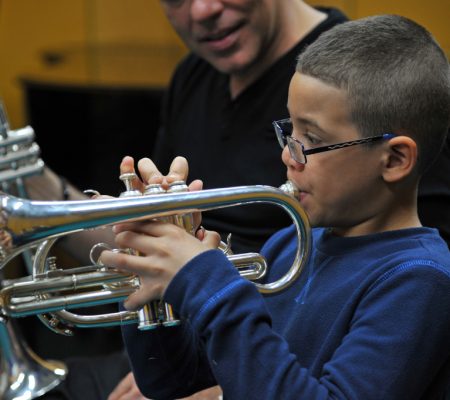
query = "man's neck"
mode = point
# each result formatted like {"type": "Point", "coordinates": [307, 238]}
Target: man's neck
{"type": "Point", "coordinates": [298, 20]}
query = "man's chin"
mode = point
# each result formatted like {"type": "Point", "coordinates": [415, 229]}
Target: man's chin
{"type": "Point", "coordinates": [227, 66]}
{"type": "Point", "coordinates": [233, 63]}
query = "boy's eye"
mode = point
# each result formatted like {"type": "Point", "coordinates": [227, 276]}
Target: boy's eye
{"type": "Point", "coordinates": [310, 139]}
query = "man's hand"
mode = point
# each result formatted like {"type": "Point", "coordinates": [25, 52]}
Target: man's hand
{"type": "Point", "coordinates": [128, 390]}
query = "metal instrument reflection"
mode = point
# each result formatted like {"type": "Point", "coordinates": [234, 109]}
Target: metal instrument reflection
{"type": "Point", "coordinates": [23, 375]}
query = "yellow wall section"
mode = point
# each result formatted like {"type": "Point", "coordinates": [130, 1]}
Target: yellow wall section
{"type": "Point", "coordinates": [101, 42]}
{"type": "Point", "coordinates": [432, 14]}
{"type": "Point", "coordinates": [128, 42]}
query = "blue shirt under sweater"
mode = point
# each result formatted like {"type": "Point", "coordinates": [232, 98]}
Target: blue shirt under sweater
{"type": "Point", "coordinates": [368, 319]}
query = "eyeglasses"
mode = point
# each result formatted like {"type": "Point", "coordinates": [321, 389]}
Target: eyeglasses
{"type": "Point", "coordinates": [283, 129]}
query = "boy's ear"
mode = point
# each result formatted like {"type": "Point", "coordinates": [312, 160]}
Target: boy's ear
{"type": "Point", "coordinates": [399, 159]}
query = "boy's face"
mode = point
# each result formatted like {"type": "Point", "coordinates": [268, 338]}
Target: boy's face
{"type": "Point", "coordinates": [339, 188]}
{"type": "Point", "coordinates": [231, 35]}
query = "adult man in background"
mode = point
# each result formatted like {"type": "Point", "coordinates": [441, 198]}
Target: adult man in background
{"type": "Point", "coordinates": [226, 93]}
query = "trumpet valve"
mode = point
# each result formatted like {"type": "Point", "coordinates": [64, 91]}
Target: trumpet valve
{"type": "Point", "coordinates": [128, 179]}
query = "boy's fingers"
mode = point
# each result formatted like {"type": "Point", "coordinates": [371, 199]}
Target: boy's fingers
{"type": "Point", "coordinates": [138, 299]}
{"type": "Point", "coordinates": [148, 171]}
{"type": "Point", "coordinates": [178, 171]}
{"type": "Point", "coordinates": [196, 185]}
{"type": "Point", "coordinates": [127, 165]}
{"type": "Point", "coordinates": [211, 238]}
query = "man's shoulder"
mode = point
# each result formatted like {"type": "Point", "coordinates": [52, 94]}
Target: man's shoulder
{"type": "Point", "coordinates": [334, 15]}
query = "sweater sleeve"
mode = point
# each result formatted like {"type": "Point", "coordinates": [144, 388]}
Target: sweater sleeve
{"type": "Point", "coordinates": [397, 339]}
{"type": "Point", "coordinates": [167, 363]}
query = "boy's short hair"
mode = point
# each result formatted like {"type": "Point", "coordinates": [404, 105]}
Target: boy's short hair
{"type": "Point", "coordinates": [396, 75]}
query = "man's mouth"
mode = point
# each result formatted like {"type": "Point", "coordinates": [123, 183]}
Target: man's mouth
{"type": "Point", "coordinates": [220, 35]}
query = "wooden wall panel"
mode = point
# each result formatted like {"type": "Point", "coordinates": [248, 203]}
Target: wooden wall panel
{"type": "Point", "coordinates": [433, 14]}
{"type": "Point", "coordinates": [99, 42]}
{"type": "Point", "coordinates": [27, 27]}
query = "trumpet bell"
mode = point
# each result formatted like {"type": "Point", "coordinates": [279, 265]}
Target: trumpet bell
{"type": "Point", "coordinates": [24, 375]}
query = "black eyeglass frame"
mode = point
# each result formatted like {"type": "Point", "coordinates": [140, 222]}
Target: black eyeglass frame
{"type": "Point", "coordinates": [285, 139]}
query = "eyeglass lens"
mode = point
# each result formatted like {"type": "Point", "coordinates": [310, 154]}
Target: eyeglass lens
{"type": "Point", "coordinates": [296, 150]}
{"type": "Point", "coordinates": [283, 130]}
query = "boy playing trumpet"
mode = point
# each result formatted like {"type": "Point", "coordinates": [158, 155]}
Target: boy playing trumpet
{"type": "Point", "coordinates": [369, 318]}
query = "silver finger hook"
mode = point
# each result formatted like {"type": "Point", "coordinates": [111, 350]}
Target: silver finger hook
{"type": "Point", "coordinates": [96, 247]}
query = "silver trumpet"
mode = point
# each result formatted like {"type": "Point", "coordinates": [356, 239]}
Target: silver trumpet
{"type": "Point", "coordinates": [23, 374]}
{"type": "Point", "coordinates": [52, 291]}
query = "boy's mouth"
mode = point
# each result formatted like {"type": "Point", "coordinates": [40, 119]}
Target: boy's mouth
{"type": "Point", "coordinates": [301, 196]}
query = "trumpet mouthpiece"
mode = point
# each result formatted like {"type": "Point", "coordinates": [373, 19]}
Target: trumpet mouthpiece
{"type": "Point", "coordinates": [289, 188]}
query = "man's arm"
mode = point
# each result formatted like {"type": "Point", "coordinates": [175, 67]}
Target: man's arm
{"type": "Point", "coordinates": [50, 186]}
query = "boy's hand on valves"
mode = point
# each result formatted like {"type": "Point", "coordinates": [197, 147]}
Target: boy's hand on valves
{"type": "Point", "coordinates": [150, 174]}
{"type": "Point", "coordinates": [163, 249]}
{"type": "Point", "coordinates": [149, 171]}
{"type": "Point", "coordinates": [178, 171]}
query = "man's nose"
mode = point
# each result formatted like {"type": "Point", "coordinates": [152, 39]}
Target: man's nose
{"type": "Point", "coordinates": [205, 9]}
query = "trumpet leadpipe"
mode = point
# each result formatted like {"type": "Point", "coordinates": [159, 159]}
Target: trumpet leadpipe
{"type": "Point", "coordinates": [24, 222]}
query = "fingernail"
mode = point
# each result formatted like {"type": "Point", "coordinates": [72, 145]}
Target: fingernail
{"type": "Point", "coordinates": [174, 176]}
{"type": "Point", "coordinates": [200, 232]}
{"type": "Point", "coordinates": [157, 178]}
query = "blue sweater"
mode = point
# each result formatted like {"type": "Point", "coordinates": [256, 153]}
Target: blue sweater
{"type": "Point", "coordinates": [368, 319]}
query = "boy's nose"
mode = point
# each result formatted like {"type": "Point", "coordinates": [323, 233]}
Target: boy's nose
{"type": "Point", "coordinates": [289, 161]}
{"type": "Point", "coordinates": [205, 9]}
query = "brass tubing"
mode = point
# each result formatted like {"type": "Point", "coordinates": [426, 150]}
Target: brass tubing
{"type": "Point", "coordinates": [25, 223]}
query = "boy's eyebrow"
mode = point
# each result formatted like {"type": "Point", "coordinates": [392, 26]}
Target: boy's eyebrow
{"type": "Point", "coordinates": [310, 122]}
{"type": "Point", "coordinates": [305, 121]}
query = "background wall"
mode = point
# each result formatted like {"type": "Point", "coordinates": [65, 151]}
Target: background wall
{"type": "Point", "coordinates": [118, 42]}
{"type": "Point", "coordinates": [113, 42]}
